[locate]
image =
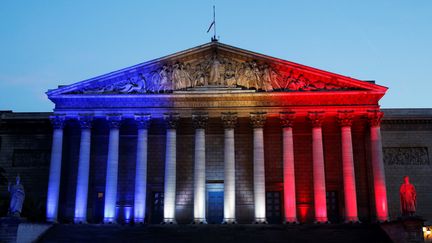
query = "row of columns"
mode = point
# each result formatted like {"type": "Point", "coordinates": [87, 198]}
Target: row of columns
{"type": "Point", "coordinates": [229, 120]}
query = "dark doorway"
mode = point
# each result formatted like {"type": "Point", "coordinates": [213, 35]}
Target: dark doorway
{"type": "Point", "coordinates": [333, 206]}
{"type": "Point", "coordinates": [215, 202]}
{"type": "Point", "coordinates": [98, 207]}
{"type": "Point", "coordinates": [273, 207]}
{"type": "Point", "coordinates": [156, 216]}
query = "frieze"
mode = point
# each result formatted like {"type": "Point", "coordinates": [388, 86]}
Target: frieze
{"type": "Point", "coordinates": [211, 70]}
{"type": "Point", "coordinates": [406, 156]}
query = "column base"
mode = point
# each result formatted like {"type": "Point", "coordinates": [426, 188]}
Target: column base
{"type": "Point", "coordinates": [352, 220]}
{"type": "Point", "coordinates": [229, 221]}
{"type": "Point", "coordinates": [109, 221]}
{"type": "Point", "coordinates": [199, 221]}
{"type": "Point", "coordinates": [169, 221]}
{"type": "Point", "coordinates": [260, 221]}
{"type": "Point", "coordinates": [80, 220]}
{"type": "Point", "coordinates": [321, 220]}
{"type": "Point", "coordinates": [52, 220]}
{"type": "Point", "coordinates": [139, 221]}
{"type": "Point", "coordinates": [382, 219]}
{"type": "Point", "coordinates": [291, 221]}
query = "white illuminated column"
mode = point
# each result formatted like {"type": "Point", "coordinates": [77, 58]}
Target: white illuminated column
{"type": "Point", "coordinates": [229, 120]}
{"type": "Point", "coordinates": [290, 208]}
{"type": "Point", "coordinates": [257, 120]}
{"type": "Point", "coordinates": [83, 170]}
{"type": "Point", "coordinates": [380, 188]}
{"type": "Point", "coordinates": [318, 168]}
{"type": "Point", "coordinates": [171, 120]}
{"type": "Point", "coordinates": [55, 168]}
{"type": "Point", "coordinates": [345, 122]}
{"type": "Point", "coordinates": [142, 121]}
{"type": "Point", "coordinates": [114, 121]}
{"type": "Point", "coordinates": [200, 122]}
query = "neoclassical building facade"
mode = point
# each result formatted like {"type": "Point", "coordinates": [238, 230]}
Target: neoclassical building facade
{"type": "Point", "coordinates": [218, 134]}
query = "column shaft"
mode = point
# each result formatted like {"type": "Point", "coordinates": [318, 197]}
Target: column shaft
{"type": "Point", "coordinates": [111, 176]}
{"type": "Point", "coordinates": [378, 174]}
{"type": "Point", "coordinates": [289, 176]}
{"type": "Point", "coordinates": [199, 177]}
{"type": "Point", "coordinates": [83, 177]}
{"type": "Point", "coordinates": [54, 173]}
{"type": "Point", "coordinates": [141, 176]}
{"type": "Point", "coordinates": [229, 176]}
{"type": "Point", "coordinates": [349, 176]}
{"type": "Point", "coordinates": [170, 176]}
{"type": "Point", "coordinates": [319, 176]}
{"type": "Point", "coordinates": [259, 175]}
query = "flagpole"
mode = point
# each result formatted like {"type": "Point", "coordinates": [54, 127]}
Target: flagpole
{"type": "Point", "coordinates": [214, 21]}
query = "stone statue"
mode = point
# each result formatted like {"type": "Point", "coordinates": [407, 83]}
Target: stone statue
{"type": "Point", "coordinates": [408, 198]}
{"type": "Point", "coordinates": [215, 71]}
{"type": "Point", "coordinates": [17, 197]}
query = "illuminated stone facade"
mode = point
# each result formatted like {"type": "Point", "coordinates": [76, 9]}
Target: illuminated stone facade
{"type": "Point", "coordinates": [218, 134]}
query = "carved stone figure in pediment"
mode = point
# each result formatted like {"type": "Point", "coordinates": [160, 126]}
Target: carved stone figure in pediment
{"type": "Point", "coordinates": [215, 71]}
{"type": "Point", "coordinates": [230, 75]}
{"type": "Point", "coordinates": [199, 77]}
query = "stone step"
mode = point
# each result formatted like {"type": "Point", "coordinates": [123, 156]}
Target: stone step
{"type": "Point", "coordinates": [216, 233]}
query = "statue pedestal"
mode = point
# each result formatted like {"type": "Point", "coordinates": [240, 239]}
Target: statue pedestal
{"type": "Point", "coordinates": [405, 229]}
{"type": "Point", "coordinates": [9, 228]}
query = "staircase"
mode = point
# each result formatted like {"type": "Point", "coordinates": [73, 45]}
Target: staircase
{"type": "Point", "coordinates": [216, 233]}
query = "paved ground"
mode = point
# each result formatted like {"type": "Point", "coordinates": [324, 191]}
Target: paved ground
{"type": "Point", "coordinates": [216, 233]}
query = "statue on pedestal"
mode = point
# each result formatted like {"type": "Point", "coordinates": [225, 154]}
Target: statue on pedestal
{"type": "Point", "coordinates": [17, 198]}
{"type": "Point", "coordinates": [408, 198]}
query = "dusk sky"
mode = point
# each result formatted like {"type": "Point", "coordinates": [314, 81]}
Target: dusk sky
{"type": "Point", "coordinates": [48, 43]}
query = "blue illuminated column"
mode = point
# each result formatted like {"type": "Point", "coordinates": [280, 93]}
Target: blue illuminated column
{"type": "Point", "coordinates": [142, 121]}
{"type": "Point", "coordinates": [200, 122]}
{"type": "Point", "coordinates": [55, 168]}
{"type": "Point", "coordinates": [229, 120]}
{"type": "Point", "coordinates": [85, 121]}
{"type": "Point", "coordinates": [114, 121]}
{"type": "Point", "coordinates": [171, 120]}
{"type": "Point", "coordinates": [257, 121]}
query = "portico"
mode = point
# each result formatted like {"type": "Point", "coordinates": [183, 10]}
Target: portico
{"type": "Point", "coordinates": [282, 127]}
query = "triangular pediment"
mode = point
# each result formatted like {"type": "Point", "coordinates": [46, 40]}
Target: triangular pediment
{"type": "Point", "coordinates": [216, 65]}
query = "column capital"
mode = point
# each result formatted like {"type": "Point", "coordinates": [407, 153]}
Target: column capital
{"type": "Point", "coordinates": [114, 120]}
{"type": "Point", "coordinates": [85, 120]}
{"type": "Point", "coordinates": [199, 120]}
{"type": "Point", "coordinates": [316, 118]}
{"type": "Point", "coordinates": [171, 119]}
{"type": "Point", "coordinates": [258, 119]}
{"type": "Point", "coordinates": [142, 120]}
{"type": "Point", "coordinates": [345, 118]}
{"type": "Point", "coordinates": [58, 120]}
{"type": "Point", "coordinates": [229, 119]}
{"type": "Point", "coordinates": [287, 118]}
{"type": "Point", "coordinates": [375, 117]}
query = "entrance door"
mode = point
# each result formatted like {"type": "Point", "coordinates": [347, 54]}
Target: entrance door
{"type": "Point", "coordinates": [157, 205]}
{"type": "Point", "coordinates": [215, 202]}
{"type": "Point", "coordinates": [273, 207]}
{"type": "Point", "coordinates": [332, 206]}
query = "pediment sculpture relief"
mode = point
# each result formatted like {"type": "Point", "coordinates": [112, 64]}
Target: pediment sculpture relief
{"type": "Point", "coordinates": [212, 71]}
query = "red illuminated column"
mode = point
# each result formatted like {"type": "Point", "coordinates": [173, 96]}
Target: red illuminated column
{"type": "Point", "coordinates": [345, 121]}
{"type": "Point", "coordinates": [380, 188]}
{"type": "Point", "coordinates": [290, 209]}
{"type": "Point", "coordinates": [318, 167]}
{"type": "Point", "coordinates": [257, 121]}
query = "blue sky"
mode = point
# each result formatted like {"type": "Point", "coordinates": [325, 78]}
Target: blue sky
{"type": "Point", "coordinates": [47, 43]}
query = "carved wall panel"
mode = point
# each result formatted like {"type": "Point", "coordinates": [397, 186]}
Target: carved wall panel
{"type": "Point", "coordinates": [406, 156]}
